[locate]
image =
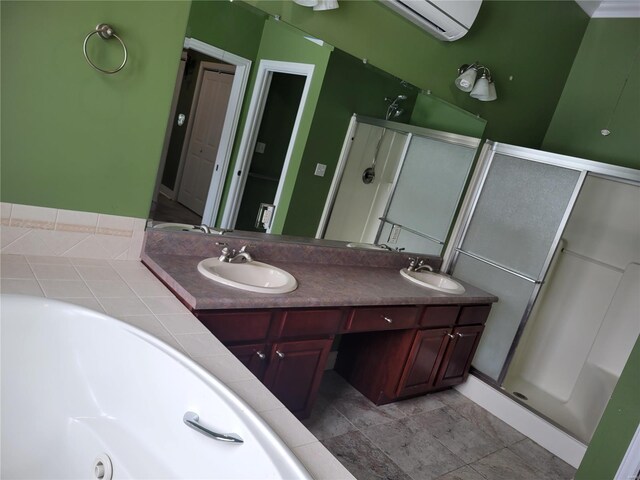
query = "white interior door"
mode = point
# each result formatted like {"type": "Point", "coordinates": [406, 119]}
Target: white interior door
{"type": "Point", "coordinates": [213, 92]}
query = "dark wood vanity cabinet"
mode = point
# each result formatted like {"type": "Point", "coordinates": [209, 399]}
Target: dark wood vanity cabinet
{"type": "Point", "coordinates": [387, 353]}
{"type": "Point", "coordinates": [457, 358]}
{"type": "Point", "coordinates": [286, 350]}
{"type": "Point", "coordinates": [295, 372]}
{"type": "Point", "coordinates": [389, 366]}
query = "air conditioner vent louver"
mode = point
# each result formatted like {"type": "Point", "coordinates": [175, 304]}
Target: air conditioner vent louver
{"type": "Point", "coordinates": [433, 25]}
{"type": "Point", "coordinates": [446, 20]}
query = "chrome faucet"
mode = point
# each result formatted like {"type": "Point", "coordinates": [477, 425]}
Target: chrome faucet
{"type": "Point", "coordinates": [208, 229]}
{"type": "Point", "coordinates": [417, 264]}
{"type": "Point", "coordinates": [231, 256]}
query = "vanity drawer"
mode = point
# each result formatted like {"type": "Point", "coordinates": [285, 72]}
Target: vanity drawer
{"type": "Point", "coordinates": [439, 316]}
{"type": "Point", "coordinates": [304, 323]}
{"type": "Point", "coordinates": [239, 326]}
{"type": "Point", "coordinates": [474, 315]}
{"type": "Point", "coordinates": [382, 318]}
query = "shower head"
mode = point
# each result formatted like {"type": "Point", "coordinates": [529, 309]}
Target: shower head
{"type": "Point", "coordinates": [401, 97]}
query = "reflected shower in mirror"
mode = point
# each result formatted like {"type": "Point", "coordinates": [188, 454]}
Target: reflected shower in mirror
{"type": "Point", "coordinates": [412, 201]}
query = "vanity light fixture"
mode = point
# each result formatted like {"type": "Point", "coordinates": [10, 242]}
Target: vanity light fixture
{"type": "Point", "coordinates": [483, 88]}
{"type": "Point", "coordinates": [318, 5]}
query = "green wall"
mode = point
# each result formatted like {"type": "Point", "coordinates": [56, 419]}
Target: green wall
{"type": "Point", "coordinates": [533, 42]}
{"type": "Point", "coordinates": [99, 138]}
{"type": "Point", "coordinates": [282, 42]}
{"type": "Point", "coordinates": [606, 71]}
{"type": "Point", "coordinates": [231, 26]}
{"type": "Point", "coordinates": [617, 426]}
{"type": "Point", "coordinates": [349, 87]}
{"type": "Point", "coordinates": [433, 112]}
{"type": "Point", "coordinates": [72, 137]}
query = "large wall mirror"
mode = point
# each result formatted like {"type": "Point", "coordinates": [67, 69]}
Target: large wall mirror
{"type": "Point", "coordinates": [277, 132]}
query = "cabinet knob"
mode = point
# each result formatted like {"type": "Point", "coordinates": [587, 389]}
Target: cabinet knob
{"type": "Point", "coordinates": [261, 355]}
{"type": "Point", "coordinates": [280, 354]}
{"type": "Point", "coordinates": [387, 319]}
{"type": "Point", "coordinates": [460, 335]}
{"type": "Point", "coordinates": [451, 335]}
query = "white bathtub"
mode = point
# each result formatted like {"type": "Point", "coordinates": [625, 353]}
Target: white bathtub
{"type": "Point", "coordinates": [77, 384]}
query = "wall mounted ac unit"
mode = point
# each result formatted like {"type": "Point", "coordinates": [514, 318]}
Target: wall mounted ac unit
{"type": "Point", "coordinates": [446, 20]}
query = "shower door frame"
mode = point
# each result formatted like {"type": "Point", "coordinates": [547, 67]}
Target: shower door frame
{"type": "Point", "coordinates": [410, 131]}
{"type": "Point", "coordinates": [454, 248]}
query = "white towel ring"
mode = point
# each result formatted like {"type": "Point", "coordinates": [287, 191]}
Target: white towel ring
{"type": "Point", "coordinates": [106, 32]}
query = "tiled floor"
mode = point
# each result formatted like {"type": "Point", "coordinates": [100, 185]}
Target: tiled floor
{"type": "Point", "coordinates": [440, 436]}
{"type": "Point", "coordinates": [167, 210]}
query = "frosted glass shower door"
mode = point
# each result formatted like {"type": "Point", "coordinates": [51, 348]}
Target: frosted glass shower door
{"type": "Point", "coordinates": [515, 225]}
{"type": "Point", "coordinates": [427, 193]}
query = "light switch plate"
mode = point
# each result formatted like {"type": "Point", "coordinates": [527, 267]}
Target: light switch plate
{"type": "Point", "coordinates": [320, 170]}
{"type": "Point", "coordinates": [260, 146]}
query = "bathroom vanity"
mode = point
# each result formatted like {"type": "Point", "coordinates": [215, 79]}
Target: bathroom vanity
{"type": "Point", "coordinates": [397, 340]}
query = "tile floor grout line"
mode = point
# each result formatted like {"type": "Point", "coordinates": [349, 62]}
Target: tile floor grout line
{"type": "Point", "coordinates": [479, 473]}
{"type": "Point", "coordinates": [524, 460]}
{"type": "Point", "coordinates": [344, 416]}
{"type": "Point", "coordinates": [383, 452]}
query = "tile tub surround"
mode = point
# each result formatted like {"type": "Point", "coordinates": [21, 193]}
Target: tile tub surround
{"type": "Point", "coordinates": [128, 291]}
{"type": "Point", "coordinates": [326, 276]}
{"type": "Point", "coordinates": [31, 230]}
{"type": "Point", "coordinates": [441, 436]}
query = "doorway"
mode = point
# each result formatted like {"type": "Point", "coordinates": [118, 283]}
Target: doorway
{"type": "Point", "coordinates": [279, 98]}
{"type": "Point", "coordinates": [199, 137]}
{"type": "Point", "coordinates": [267, 161]}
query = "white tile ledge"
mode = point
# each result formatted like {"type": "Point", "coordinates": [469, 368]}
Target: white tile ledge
{"type": "Point", "coordinates": [203, 347]}
{"type": "Point", "coordinates": [32, 230]}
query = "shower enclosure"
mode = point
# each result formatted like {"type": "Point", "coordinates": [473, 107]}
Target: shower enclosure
{"type": "Point", "coordinates": [557, 239]}
{"type": "Point", "coordinates": [410, 201]}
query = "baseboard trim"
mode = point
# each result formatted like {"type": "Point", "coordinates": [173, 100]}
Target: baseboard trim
{"type": "Point", "coordinates": [526, 422]}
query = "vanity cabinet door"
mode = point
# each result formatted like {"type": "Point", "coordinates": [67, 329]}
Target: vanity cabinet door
{"type": "Point", "coordinates": [295, 371]}
{"type": "Point", "coordinates": [425, 357]}
{"type": "Point", "coordinates": [254, 357]}
{"type": "Point", "coordinates": [460, 352]}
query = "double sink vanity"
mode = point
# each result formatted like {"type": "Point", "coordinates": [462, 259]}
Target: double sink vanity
{"type": "Point", "coordinates": [282, 307]}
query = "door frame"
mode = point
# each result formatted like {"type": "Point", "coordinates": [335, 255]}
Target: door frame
{"type": "Point", "coordinates": [195, 103]}
{"type": "Point", "coordinates": [266, 69]}
{"type": "Point", "coordinates": [231, 121]}
{"type": "Point", "coordinates": [169, 130]}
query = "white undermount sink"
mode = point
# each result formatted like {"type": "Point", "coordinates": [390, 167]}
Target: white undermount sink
{"type": "Point", "coordinates": [434, 281]}
{"type": "Point", "coordinates": [251, 276]}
